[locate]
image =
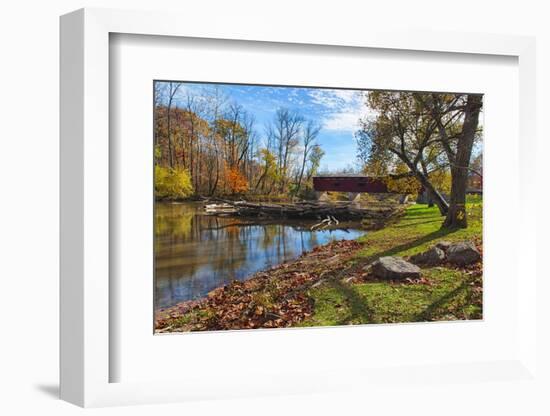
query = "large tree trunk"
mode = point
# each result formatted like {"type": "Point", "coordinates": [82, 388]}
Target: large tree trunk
{"type": "Point", "coordinates": [456, 216]}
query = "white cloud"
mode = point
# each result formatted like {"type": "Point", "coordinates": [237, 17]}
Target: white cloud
{"type": "Point", "coordinates": [348, 96]}
{"type": "Point", "coordinates": [328, 99]}
{"type": "Point", "coordinates": [342, 108]}
{"type": "Point", "coordinates": [343, 121]}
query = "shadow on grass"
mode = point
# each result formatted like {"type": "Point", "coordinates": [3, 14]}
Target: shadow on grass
{"type": "Point", "coordinates": [411, 244]}
{"type": "Point", "coordinates": [414, 224]}
{"type": "Point", "coordinates": [360, 311]}
{"type": "Point", "coordinates": [425, 214]}
{"type": "Point", "coordinates": [427, 314]}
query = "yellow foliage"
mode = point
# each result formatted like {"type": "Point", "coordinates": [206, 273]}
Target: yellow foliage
{"type": "Point", "coordinates": [376, 168]}
{"type": "Point", "coordinates": [407, 185]}
{"type": "Point", "coordinates": [441, 180]}
{"type": "Point", "coordinates": [172, 183]}
{"type": "Point", "coordinates": [404, 185]}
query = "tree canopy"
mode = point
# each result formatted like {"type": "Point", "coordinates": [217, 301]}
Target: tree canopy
{"type": "Point", "coordinates": [432, 134]}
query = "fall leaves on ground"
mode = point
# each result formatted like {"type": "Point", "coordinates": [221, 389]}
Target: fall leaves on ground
{"type": "Point", "coordinates": [273, 298]}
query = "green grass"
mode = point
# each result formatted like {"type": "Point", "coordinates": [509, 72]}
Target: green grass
{"type": "Point", "coordinates": [418, 230]}
{"type": "Point", "coordinates": [452, 293]}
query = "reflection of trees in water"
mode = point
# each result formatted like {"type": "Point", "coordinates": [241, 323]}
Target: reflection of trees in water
{"type": "Point", "coordinates": [217, 242]}
{"type": "Point", "coordinates": [173, 229]}
{"type": "Point", "coordinates": [182, 231]}
{"type": "Point", "coordinates": [268, 236]}
{"type": "Point", "coordinates": [228, 256]}
{"type": "Point", "coordinates": [195, 253]}
{"type": "Point", "coordinates": [174, 222]}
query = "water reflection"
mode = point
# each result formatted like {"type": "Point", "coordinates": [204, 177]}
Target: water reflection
{"type": "Point", "coordinates": [195, 253]}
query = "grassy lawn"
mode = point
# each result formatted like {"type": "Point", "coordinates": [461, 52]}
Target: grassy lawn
{"type": "Point", "coordinates": [448, 293]}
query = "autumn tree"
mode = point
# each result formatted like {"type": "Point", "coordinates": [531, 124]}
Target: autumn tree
{"type": "Point", "coordinates": [401, 130]}
{"type": "Point", "coordinates": [284, 133]}
{"type": "Point", "coordinates": [195, 129]}
{"type": "Point", "coordinates": [268, 169]}
{"type": "Point", "coordinates": [172, 90]}
{"type": "Point", "coordinates": [429, 133]}
{"type": "Point", "coordinates": [314, 161]}
{"type": "Point", "coordinates": [309, 135]}
{"type": "Point", "coordinates": [236, 181]}
{"type": "Point", "coordinates": [172, 183]}
{"type": "Point", "coordinates": [215, 102]}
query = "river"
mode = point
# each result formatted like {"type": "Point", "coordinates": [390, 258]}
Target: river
{"type": "Point", "coordinates": [196, 253]}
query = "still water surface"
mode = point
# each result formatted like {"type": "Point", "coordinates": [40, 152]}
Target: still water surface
{"type": "Point", "coordinates": [195, 253]}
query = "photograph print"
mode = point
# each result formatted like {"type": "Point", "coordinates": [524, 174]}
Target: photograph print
{"type": "Point", "coordinates": [293, 207]}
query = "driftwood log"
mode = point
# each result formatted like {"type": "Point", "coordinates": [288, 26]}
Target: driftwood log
{"type": "Point", "coordinates": [335, 211]}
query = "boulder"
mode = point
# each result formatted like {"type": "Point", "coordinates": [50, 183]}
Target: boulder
{"type": "Point", "coordinates": [431, 257]}
{"type": "Point", "coordinates": [443, 245]}
{"type": "Point", "coordinates": [395, 268]}
{"type": "Point", "coordinates": [463, 253]}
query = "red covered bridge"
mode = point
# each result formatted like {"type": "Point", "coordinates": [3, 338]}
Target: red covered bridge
{"type": "Point", "coordinates": [351, 183]}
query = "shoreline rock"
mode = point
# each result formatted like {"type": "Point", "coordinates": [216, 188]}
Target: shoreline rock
{"type": "Point", "coordinates": [463, 253]}
{"type": "Point", "coordinates": [395, 268]}
{"type": "Point", "coordinates": [431, 257]}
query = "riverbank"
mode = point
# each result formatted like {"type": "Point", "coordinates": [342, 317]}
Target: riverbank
{"type": "Point", "coordinates": [332, 284]}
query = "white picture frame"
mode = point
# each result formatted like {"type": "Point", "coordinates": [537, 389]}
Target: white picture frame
{"type": "Point", "coordinates": [86, 356]}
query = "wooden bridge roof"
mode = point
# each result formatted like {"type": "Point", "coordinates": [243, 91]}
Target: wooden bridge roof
{"type": "Point", "coordinates": [350, 183]}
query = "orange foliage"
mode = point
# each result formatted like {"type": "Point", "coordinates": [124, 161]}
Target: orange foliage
{"type": "Point", "coordinates": [236, 181]}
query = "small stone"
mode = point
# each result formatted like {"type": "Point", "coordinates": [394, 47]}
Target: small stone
{"type": "Point", "coordinates": [395, 268]}
{"type": "Point", "coordinates": [463, 253]}
{"type": "Point", "coordinates": [430, 257]}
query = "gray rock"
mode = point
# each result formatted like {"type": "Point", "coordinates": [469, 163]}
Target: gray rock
{"type": "Point", "coordinates": [463, 253]}
{"type": "Point", "coordinates": [395, 268]}
{"type": "Point", "coordinates": [431, 257]}
{"type": "Point", "coordinates": [444, 245]}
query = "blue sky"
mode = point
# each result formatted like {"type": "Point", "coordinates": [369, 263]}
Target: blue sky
{"type": "Point", "coordinates": [337, 111]}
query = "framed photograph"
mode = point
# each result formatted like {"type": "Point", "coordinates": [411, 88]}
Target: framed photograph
{"type": "Point", "coordinates": [238, 208]}
{"type": "Point", "coordinates": [281, 207]}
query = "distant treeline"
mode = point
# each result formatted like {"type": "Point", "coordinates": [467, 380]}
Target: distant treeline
{"type": "Point", "coordinates": [207, 145]}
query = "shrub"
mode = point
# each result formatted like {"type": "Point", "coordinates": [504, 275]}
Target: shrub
{"type": "Point", "coordinates": [307, 193]}
{"type": "Point", "coordinates": [172, 183]}
{"type": "Point", "coordinates": [236, 181]}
